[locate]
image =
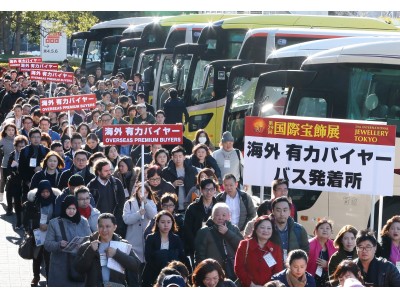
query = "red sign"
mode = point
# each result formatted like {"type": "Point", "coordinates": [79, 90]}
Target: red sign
{"type": "Point", "coordinates": [52, 76]}
{"type": "Point", "coordinates": [68, 103]}
{"type": "Point", "coordinates": [143, 134]}
{"type": "Point", "coordinates": [43, 66]}
{"type": "Point", "coordinates": [16, 62]}
{"type": "Point", "coordinates": [324, 130]}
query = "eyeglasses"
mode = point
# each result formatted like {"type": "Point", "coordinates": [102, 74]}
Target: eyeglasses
{"type": "Point", "coordinates": [168, 205]}
{"type": "Point", "coordinates": [208, 190]}
{"type": "Point", "coordinates": [155, 179]}
{"type": "Point", "coordinates": [367, 248]}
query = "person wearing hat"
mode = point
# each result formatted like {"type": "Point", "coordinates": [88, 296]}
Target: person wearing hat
{"type": "Point", "coordinates": [229, 159]}
{"type": "Point", "coordinates": [173, 281]}
{"type": "Point", "coordinates": [74, 182]}
{"type": "Point", "coordinates": [79, 167]}
{"type": "Point", "coordinates": [143, 115]}
{"type": "Point", "coordinates": [60, 232]}
{"type": "Point", "coordinates": [38, 212]}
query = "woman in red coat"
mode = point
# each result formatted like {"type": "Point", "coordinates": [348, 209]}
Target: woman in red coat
{"type": "Point", "coordinates": [259, 257]}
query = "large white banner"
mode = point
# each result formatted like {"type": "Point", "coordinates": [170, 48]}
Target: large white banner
{"type": "Point", "coordinates": [320, 155]}
{"type": "Point", "coordinates": [53, 44]}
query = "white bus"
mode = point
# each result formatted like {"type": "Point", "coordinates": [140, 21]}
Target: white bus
{"type": "Point", "coordinates": [337, 83]}
{"type": "Point", "coordinates": [89, 44]}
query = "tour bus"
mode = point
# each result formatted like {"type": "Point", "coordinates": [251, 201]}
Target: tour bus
{"type": "Point", "coordinates": [154, 36]}
{"type": "Point", "coordinates": [246, 93]}
{"type": "Point", "coordinates": [92, 41]}
{"type": "Point", "coordinates": [357, 82]}
{"type": "Point", "coordinates": [224, 40]}
{"type": "Point", "coordinates": [162, 69]}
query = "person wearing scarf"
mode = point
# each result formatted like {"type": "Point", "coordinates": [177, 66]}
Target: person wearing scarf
{"type": "Point", "coordinates": [128, 174]}
{"type": "Point", "coordinates": [296, 275]}
{"type": "Point", "coordinates": [75, 226]}
{"type": "Point", "coordinates": [86, 210]}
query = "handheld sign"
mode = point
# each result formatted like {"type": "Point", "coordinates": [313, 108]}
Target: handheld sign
{"type": "Point", "coordinates": [65, 103]}
{"type": "Point", "coordinates": [143, 134]}
{"type": "Point", "coordinates": [16, 62]}
{"type": "Point", "coordinates": [25, 67]}
{"type": "Point", "coordinates": [52, 76]}
{"type": "Point", "coordinates": [320, 154]}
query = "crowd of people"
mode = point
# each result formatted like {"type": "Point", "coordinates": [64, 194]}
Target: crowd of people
{"type": "Point", "coordinates": [191, 223]}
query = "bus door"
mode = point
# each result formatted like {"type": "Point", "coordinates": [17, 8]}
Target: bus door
{"type": "Point", "coordinates": [149, 70]}
{"type": "Point", "coordinates": [109, 47]}
{"type": "Point", "coordinates": [208, 99]}
{"type": "Point", "coordinates": [240, 98]}
{"type": "Point", "coordinates": [84, 45]}
{"type": "Point", "coordinates": [124, 56]}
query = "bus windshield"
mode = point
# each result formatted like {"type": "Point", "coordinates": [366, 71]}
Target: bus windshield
{"type": "Point", "coordinates": [197, 93]}
{"type": "Point", "coordinates": [94, 50]}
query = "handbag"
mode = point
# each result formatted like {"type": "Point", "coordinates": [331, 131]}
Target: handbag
{"type": "Point", "coordinates": [25, 249]}
{"type": "Point", "coordinates": [73, 274]}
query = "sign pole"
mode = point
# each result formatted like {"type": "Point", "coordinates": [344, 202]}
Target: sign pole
{"type": "Point", "coordinates": [371, 225]}
{"type": "Point", "coordinates": [142, 206]}
{"type": "Point", "coordinates": [380, 218]}
{"type": "Point", "coordinates": [262, 194]}
{"type": "Point", "coordinates": [69, 123]}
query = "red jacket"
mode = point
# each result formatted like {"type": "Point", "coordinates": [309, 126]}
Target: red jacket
{"type": "Point", "coordinates": [315, 249]}
{"type": "Point", "coordinates": [254, 268]}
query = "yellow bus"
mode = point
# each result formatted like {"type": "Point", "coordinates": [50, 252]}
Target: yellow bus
{"type": "Point", "coordinates": [224, 40]}
{"type": "Point", "coordinates": [154, 35]}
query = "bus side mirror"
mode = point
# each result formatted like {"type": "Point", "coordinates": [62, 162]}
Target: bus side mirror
{"type": "Point", "coordinates": [371, 102]}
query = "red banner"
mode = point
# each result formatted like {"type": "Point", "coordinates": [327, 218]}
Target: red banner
{"type": "Point", "coordinates": [24, 67]}
{"type": "Point", "coordinates": [65, 103]}
{"type": "Point", "coordinates": [52, 76]}
{"type": "Point", "coordinates": [16, 62]}
{"type": "Point", "coordinates": [327, 130]}
{"type": "Point", "coordinates": [143, 134]}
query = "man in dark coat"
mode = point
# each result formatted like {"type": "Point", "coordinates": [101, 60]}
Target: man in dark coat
{"type": "Point", "coordinates": [174, 108]}
{"type": "Point", "coordinates": [108, 193]}
{"type": "Point", "coordinates": [79, 167]}
{"type": "Point", "coordinates": [9, 99]}
{"type": "Point", "coordinates": [181, 174]}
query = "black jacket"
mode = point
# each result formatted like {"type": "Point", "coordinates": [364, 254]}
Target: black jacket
{"type": "Point", "coordinates": [63, 182]}
{"type": "Point", "coordinates": [76, 119]}
{"type": "Point", "coordinates": [119, 194]}
{"type": "Point", "coordinates": [194, 217]}
{"type": "Point", "coordinates": [157, 259]}
{"type": "Point", "coordinates": [24, 169]}
{"type": "Point", "coordinates": [169, 174]}
{"type": "Point", "coordinates": [209, 162]}
{"type": "Point", "coordinates": [381, 273]}
{"type": "Point", "coordinates": [174, 109]}
{"type": "Point", "coordinates": [87, 262]}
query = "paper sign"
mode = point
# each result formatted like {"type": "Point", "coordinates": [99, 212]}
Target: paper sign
{"type": "Point", "coordinates": [324, 155]}
{"type": "Point", "coordinates": [65, 103]}
{"type": "Point", "coordinates": [52, 76]}
{"type": "Point", "coordinates": [165, 134]}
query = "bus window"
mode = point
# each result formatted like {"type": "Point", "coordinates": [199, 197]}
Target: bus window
{"type": "Point", "coordinates": [94, 51]}
{"type": "Point", "coordinates": [108, 56]}
{"type": "Point", "coordinates": [127, 55]}
{"type": "Point", "coordinates": [254, 48]}
{"type": "Point", "coordinates": [244, 90]}
{"type": "Point", "coordinates": [195, 35]}
{"type": "Point", "coordinates": [197, 87]}
{"type": "Point", "coordinates": [312, 107]}
{"type": "Point", "coordinates": [273, 101]}
{"type": "Point", "coordinates": [235, 40]}
{"type": "Point", "coordinates": [175, 38]}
